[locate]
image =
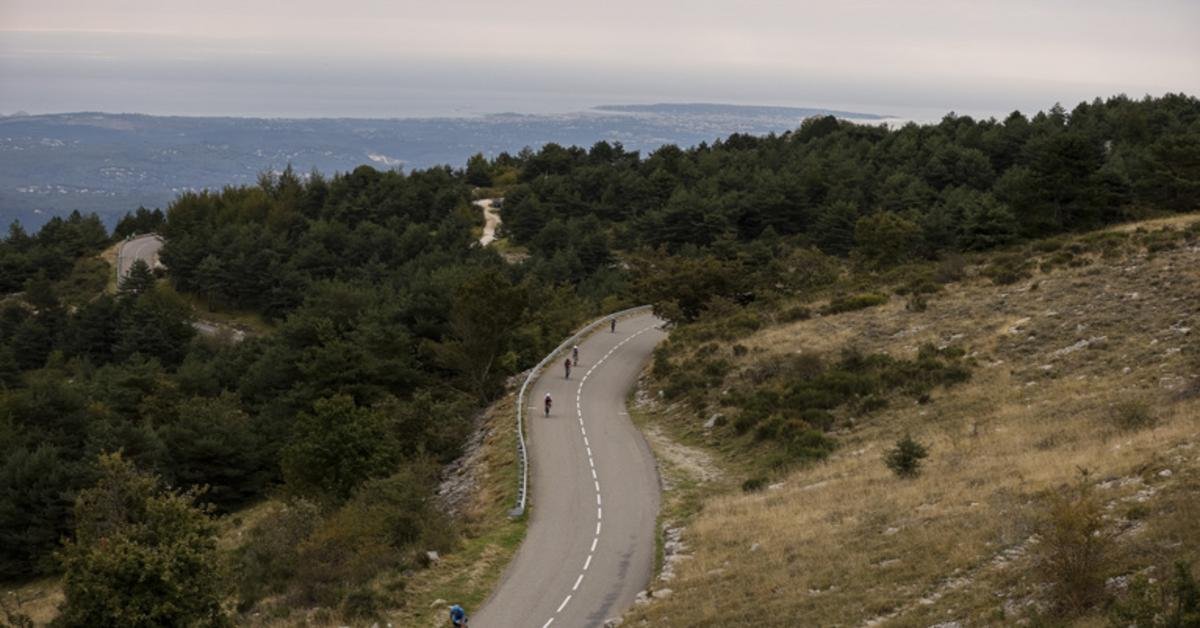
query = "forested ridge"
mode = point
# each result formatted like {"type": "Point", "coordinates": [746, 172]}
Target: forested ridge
{"type": "Point", "coordinates": [391, 327]}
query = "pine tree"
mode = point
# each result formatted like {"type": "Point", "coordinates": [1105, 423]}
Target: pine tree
{"type": "Point", "coordinates": [905, 458]}
{"type": "Point", "coordinates": [139, 280]}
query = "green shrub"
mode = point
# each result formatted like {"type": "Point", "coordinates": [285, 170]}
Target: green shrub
{"type": "Point", "coordinates": [952, 267]}
{"type": "Point", "coordinates": [1048, 245]}
{"type": "Point", "coordinates": [1008, 269]}
{"type": "Point", "coordinates": [923, 287]}
{"type": "Point", "coordinates": [808, 444]}
{"type": "Point", "coordinates": [905, 458]}
{"type": "Point", "coordinates": [266, 563]}
{"type": "Point", "coordinates": [795, 313]}
{"type": "Point", "coordinates": [854, 302]}
{"type": "Point", "coordinates": [1174, 603]}
{"type": "Point", "coordinates": [362, 603]}
{"type": "Point", "coordinates": [662, 366]}
{"type": "Point", "coordinates": [1073, 555]}
{"type": "Point", "coordinates": [1193, 230]}
{"type": "Point", "coordinates": [141, 555]}
{"type": "Point", "coordinates": [754, 484]}
{"type": "Point", "coordinates": [1132, 414]}
{"type": "Point", "coordinates": [1164, 239]}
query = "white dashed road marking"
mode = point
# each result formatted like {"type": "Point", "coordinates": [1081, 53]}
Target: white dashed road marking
{"type": "Point", "coordinates": [591, 463]}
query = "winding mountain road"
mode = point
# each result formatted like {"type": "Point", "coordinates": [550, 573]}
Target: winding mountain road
{"type": "Point", "coordinates": [144, 247]}
{"type": "Point", "coordinates": [589, 548]}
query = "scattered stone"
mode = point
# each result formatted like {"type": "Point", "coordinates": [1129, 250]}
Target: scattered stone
{"type": "Point", "coordinates": [613, 622]}
{"type": "Point", "coordinates": [662, 594]}
{"type": "Point", "coordinates": [438, 602]}
{"type": "Point", "coordinates": [459, 478]}
{"type": "Point", "coordinates": [1099, 342]}
{"type": "Point", "coordinates": [433, 557]}
{"type": "Point", "coordinates": [754, 547]}
{"type": "Point", "coordinates": [1015, 328]}
{"type": "Point", "coordinates": [890, 531]}
{"type": "Point", "coordinates": [673, 547]}
{"type": "Point", "coordinates": [1165, 473]}
{"type": "Point", "coordinates": [712, 421]}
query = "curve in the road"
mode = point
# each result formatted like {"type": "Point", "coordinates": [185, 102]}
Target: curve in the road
{"type": "Point", "coordinates": [589, 549]}
{"type": "Point", "coordinates": [144, 247]}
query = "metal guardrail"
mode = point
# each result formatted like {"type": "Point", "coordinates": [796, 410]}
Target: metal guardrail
{"type": "Point", "coordinates": [523, 490]}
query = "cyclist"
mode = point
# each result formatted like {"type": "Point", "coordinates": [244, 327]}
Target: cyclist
{"type": "Point", "coordinates": [458, 617]}
{"type": "Point", "coordinates": [567, 368]}
{"type": "Point", "coordinates": [549, 402]}
{"type": "Point", "coordinates": [575, 355]}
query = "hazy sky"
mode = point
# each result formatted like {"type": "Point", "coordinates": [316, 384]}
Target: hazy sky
{"type": "Point", "coordinates": [397, 57]}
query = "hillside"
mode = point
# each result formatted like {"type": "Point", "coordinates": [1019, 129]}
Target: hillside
{"type": "Point", "coordinates": [1082, 405]}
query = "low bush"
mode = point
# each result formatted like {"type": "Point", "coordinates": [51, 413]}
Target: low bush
{"type": "Point", "coordinates": [1174, 603]}
{"type": "Point", "coordinates": [1048, 245]}
{"type": "Point", "coordinates": [1164, 239]}
{"type": "Point", "coordinates": [1074, 553]}
{"type": "Point", "coordinates": [791, 401]}
{"type": "Point", "coordinates": [267, 562]}
{"type": "Point", "coordinates": [854, 302]}
{"type": "Point", "coordinates": [1008, 269]}
{"type": "Point", "coordinates": [795, 313]}
{"type": "Point", "coordinates": [951, 268]}
{"type": "Point", "coordinates": [905, 458]}
{"type": "Point", "coordinates": [1132, 414]}
{"type": "Point", "coordinates": [754, 484]}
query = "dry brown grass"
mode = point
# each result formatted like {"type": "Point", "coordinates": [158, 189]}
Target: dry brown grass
{"type": "Point", "coordinates": [845, 543]}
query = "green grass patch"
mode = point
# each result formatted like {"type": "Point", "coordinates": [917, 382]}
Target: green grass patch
{"type": "Point", "coordinates": [854, 302]}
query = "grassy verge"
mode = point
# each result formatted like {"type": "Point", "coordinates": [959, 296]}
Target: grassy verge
{"type": "Point", "coordinates": [689, 475]}
{"type": "Point", "coordinates": [109, 256]}
{"type": "Point", "coordinates": [251, 322]}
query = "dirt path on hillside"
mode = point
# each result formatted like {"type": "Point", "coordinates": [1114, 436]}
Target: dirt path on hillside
{"type": "Point", "coordinates": [491, 220]}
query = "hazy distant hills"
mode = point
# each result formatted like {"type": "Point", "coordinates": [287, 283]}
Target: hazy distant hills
{"type": "Point", "coordinates": [741, 111]}
{"type": "Point", "coordinates": [112, 163]}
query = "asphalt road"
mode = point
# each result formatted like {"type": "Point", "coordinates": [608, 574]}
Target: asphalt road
{"type": "Point", "coordinates": [589, 548]}
{"type": "Point", "coordinates": [143, 247]}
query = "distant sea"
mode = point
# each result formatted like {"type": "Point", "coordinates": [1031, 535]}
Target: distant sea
{"type": "Point", "coordinates": [52, 164]}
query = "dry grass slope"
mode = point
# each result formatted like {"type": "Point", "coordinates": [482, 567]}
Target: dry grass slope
{"type": "Point", "coordinates": [1092, 364]}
